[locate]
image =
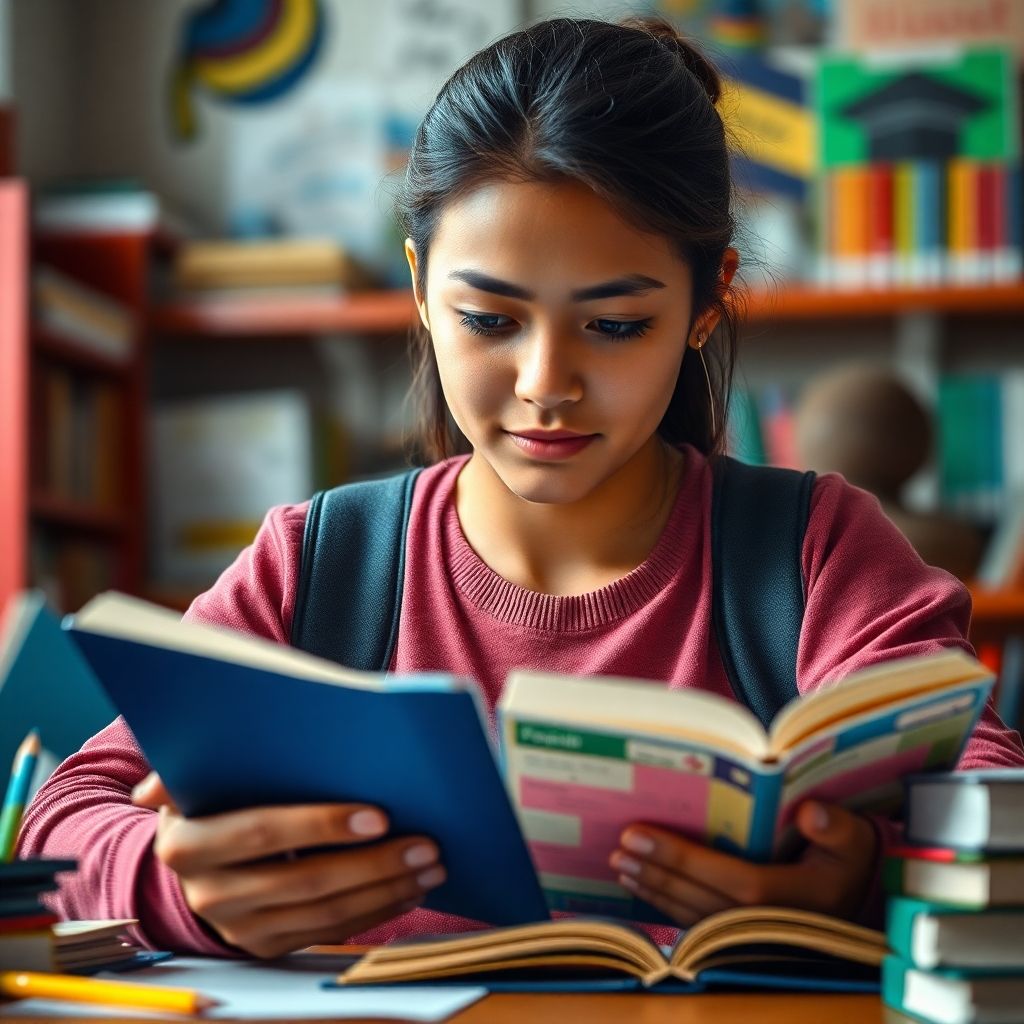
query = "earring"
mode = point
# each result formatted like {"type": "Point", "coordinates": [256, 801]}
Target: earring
{"type": "Point", "coordinates": [702, 338]}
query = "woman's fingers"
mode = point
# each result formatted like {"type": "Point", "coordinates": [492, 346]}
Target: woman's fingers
{"type": "Point", "coordinates": [151, 793]}
{"type": "Point", "coordinates": [678, 889]}
{"type": "Point", "coordinates": [339, 911]}
{"type": "Point", "coordinates": [263, 886]}
{"type": "Point", "coordinates": [192, 845]}
{"type": "Point", "coordinates": [271, 945]}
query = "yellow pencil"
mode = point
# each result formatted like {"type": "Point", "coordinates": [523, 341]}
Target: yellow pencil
{"type": "Point", "coordinates": [28, 984]}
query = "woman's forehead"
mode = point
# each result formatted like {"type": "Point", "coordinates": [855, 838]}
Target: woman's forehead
{"type": "Point", "coordinates": [538, 228]}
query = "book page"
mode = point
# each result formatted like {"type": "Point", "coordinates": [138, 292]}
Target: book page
{"type": "Point", "coordinates": [576, 789]}
{"type": "Point", "coordinates": [640, 706]}
{"type": "Point", "coordinates": [129, 618]}
{"type": "Point", "coordinates": [874, 687]}
{"type": "Point", "coordinates": [860, 763]}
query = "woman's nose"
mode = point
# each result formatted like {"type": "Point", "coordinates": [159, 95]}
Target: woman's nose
{"type": "Point", "coordinates": [547, 375]}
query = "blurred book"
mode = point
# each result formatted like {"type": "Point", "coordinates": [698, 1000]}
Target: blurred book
{"type": "Point", "coordinates": [264, 268]}
{"type": "Point", "coordinates": [22, 883]}
{"type": "Point", "coordinates": [871, 26]}
{"type": "Point", "coordinates": [68, 946]}
{"type": "Point", "coordinates": [81, 315]}
{"type": "Point", "coordinates": [971, 810]}
{"type": "Point", "coordinates": [219, 463]}
{"type": "Point", "coordinates": [45, 684]}
{"type": "Point", "coordinates": [96, 205]}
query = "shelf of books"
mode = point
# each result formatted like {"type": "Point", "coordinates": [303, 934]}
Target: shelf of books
{"type": "Point", "coordinates": [77, 360]}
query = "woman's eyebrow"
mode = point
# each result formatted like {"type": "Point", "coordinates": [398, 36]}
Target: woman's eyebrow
{"type": "Point", "coordinates": [630, 284]}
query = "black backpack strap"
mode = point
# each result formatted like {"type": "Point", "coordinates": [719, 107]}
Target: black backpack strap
{"type": "Point", "coordinates": [758, 519]}
{"type": "Point", "coordinates": [349, 595]}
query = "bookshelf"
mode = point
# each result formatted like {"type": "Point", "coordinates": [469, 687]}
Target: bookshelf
{"type": "Point", "coordinates": [392, 311]}
{"type": "Point", "coordinates": [83, 529]}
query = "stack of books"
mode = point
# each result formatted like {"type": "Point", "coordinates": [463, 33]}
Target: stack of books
{"type": "Point", "coordinates": [32, 939]}
{"type": "Point", "coordinates": [82, 316]}
{"type": "Point", "coordinates": [270, 268]}
{"type": "Point", "coordinates": [956, 911]}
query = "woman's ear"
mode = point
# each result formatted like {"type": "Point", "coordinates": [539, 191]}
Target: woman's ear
{"type": "Point", "coordinates": [421, 304]}
{"type": "Point", "coordinates": [708, 320]}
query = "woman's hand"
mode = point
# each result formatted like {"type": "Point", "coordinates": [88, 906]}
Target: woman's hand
{"type": "Point", "coordinates": [270, 907]}
{"type": "Point", "coordinates": [688, 881]}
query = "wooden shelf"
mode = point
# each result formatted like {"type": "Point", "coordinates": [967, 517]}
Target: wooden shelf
{"type": "Point", "coordinates": [998, 605]}
{"type": "Point", "coordinates": [797, 302]}
{"type": "Point", "coordinates": [377, 312]}
{"type": "Point", "coordinates": [393, 311]}
{"type": "Point", "coordinates": [75, 514]}
{"type": "Point", "coordinates": [60, 348]}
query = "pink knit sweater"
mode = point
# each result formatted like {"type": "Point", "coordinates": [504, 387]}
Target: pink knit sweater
{"type": "Point", "coordinates": [869, 598]}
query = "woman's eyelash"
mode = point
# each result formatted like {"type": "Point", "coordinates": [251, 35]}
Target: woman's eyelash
{"type": "Point", "coordinates": [482, 324]}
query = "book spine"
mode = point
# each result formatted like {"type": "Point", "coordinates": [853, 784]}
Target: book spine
{"type": "Point", "coordinates": [879, 242]}
{"type": "Point", "coordinates": [959, 213]}
{"type": "Point", "coordinates": [987, 233]}
{"type": "Point", "coordinates": [1013, 432]}
{"type": "Point", "coordinates": [905, 226]}
{"type": "Point", "coordinates": [894, 973]}
{"type": "Point", "coordinates": [900, 917]}
{"type": "Point", "coordinates": [928, 219]}
{"type": "Point", "coordinates": [765, 833]}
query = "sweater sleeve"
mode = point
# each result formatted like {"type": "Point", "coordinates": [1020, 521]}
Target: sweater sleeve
{"type": "Point", "coordinates": [84, 810]}
{"type": "Point", "coordinates": [870, 599]}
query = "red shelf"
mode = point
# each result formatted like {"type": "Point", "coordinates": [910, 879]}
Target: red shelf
{"type": "Point", "coordinates": [379, 312]}
{"type": "Point", "coordinates": [998, 605]}
{"type": "Point", "coordinates": [77, 515]}
{"type": "Point", "coordinates": [804, 303]}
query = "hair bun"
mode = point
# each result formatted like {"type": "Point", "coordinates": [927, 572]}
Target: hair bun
{"type": "Point", "coordinates": [696, 63]}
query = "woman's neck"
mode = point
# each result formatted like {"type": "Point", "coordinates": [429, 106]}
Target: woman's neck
{"type": "Point", "coordinates": [576, 548]}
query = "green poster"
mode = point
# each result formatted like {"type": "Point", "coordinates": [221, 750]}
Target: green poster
{"type": "Point", "coordinates": [933, 107]}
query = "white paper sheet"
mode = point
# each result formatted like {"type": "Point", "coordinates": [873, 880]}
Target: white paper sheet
{"type": "Point", "coordinates": [254, 990]}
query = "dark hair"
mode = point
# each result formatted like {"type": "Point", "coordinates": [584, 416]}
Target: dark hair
{"type": "Point", "coordinates": [628, 110]}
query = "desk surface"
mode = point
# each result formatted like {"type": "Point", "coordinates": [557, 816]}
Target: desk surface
{"type": "Point", "coordinates": [651, 1009]}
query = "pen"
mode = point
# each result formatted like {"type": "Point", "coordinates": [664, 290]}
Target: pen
{"type": "Point", "coordinates": [17, 793]}
{"type": "Point", "coordinates": [29, 984]}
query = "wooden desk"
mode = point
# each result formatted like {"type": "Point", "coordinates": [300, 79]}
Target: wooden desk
{"type": "Point", "coordinates": [643, 1009]}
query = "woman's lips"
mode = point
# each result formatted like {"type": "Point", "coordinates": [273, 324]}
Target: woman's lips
{"type": "Point", "coordinates": [551, 446]}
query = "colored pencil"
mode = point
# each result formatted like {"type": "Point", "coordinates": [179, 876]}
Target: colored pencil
{"type": "Point", "coordinates": [17, 794]}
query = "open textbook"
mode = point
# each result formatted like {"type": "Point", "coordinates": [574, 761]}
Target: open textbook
{"type": "Point", "coordinates": [740, 946]}
{"type": "Point", "coordinates": [584, 757]}
{"type": "Point", "coordinates": [231, 721]}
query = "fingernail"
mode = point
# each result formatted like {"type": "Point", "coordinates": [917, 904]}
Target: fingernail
{"type": "Point", "coordinates": [367, 823]}
{"type": "Point", "coordinates": [638, 843]}
{"type": "Point", "coordinates": [819, 818]}
{"type": "Point", "coordinates": [627, 864]}
{"type": "Point", "coordinates": [419, 856]}
{"type": "Point", "coordinates": [140, 790]}
{"type": "Point", "coordinates": [629, 883]}
{"type": "Point", "coordinates": [431, 877]}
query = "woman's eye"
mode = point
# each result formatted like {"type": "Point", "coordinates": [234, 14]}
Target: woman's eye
{"type": "Point", "coordinates": [484, 323]}
{"type": "Point", "coordinates": [622, 328]}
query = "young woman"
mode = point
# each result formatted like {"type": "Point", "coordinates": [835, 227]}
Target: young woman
{"type": "Point", "coordinates": [567, 206]}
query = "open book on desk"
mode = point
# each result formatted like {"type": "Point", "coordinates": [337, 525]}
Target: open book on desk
{"type": "Point", "coordinates": [756, 946]}
{"type": "Point", "coordinates": [232, 721]}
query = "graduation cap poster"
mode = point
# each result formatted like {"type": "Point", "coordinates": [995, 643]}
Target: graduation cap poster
{"type": "Point", "coordinates": [936, 106]}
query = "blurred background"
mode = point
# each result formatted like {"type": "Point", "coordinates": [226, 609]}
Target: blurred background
{"type": "Point", "coordinates": [204, 303]}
